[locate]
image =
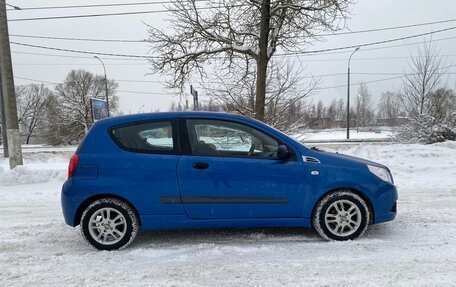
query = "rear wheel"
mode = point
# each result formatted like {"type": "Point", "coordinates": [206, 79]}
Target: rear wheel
{"type": "Point", "coordinates": [341, 215]}
{"type": "Point", "coordinates": [109, 224]}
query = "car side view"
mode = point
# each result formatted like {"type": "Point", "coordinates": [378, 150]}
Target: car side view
{"type": "Point", "coordinates": [215, 170]}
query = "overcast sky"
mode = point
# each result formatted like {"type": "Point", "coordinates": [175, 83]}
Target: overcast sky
{"type": "Point", "coordinates": [150, 96]}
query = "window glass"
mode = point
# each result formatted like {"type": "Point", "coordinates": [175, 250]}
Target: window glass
{"type": "Point", "coordinates": [146, 137]}
{"type": "Point", "coordinates": [222, 138]}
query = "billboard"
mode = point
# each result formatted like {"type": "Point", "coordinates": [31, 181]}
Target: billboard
{"type": "Point", "coordinates": [99, 109]}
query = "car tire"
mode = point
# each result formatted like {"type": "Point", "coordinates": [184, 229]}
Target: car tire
{"type": "Point", "coordinates": [109, 224]}
{"type": "Point", "coordinates": [341, 215]}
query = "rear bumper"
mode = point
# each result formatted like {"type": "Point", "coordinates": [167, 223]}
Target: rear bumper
{"type": "Point", "coordinates": [69, 204]}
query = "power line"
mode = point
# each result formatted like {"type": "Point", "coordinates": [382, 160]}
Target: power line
{"type": "Point", "coordinates": [385, 79]}
{"type": "Point", "coordinates": [143, 40]}
{"type": "Point", "coordinates": [12, 6]}
{"type": "Point", "coordinates": [368, 44]}
{"type": "Point", "coordinates": [145, 93]}
{"type": "Point", "coordinates": [83, 52]}
{"type": "Point", "coordinates": [154, 93]}
{"type": "Point", "coordinates": [146, 63]}
{"type": "Point", "coordinates": [200, 8]}
{"type": "Point", "coordinates": [399, 75]}
{"type": "Point", "coordinates": [373, 58]}
{"type": "Point", "coordinates": [373, 49]}
{"type": "Point", "coordinates": [323, 51]}
{"type": "Point", "coordinates": [407, 44]}
{"type": "Point", "coordinates": [75, 57]}
{"type": "Point", "coordinates": [97, 5]}
{"type": "Point", "coordinates": [113, 14]}
{"type": "Point", "coordinates": [78, 39]}
{"type": "Point", "coordinates": [78, 64]}
{"type": "Point", "coordinates": [139, 81]}
{"type": "Point", "coordinates": [309, 60]}
{"type": "Point", "coordinates": [390, 28]}
{"type": "Point", "coordinates": [90, 15]}
{"type": "Point", "coordinates": [117, 80]}
{"type": "Point", "coordinates": [34, 80]}
{"type": "Point", "coordinates": [122, 91]}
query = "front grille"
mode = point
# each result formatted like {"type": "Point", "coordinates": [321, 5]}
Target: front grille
{"type": "Point", "coordinates": [394, 208]}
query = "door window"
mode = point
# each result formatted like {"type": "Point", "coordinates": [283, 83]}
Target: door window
{"type": "Point", "coordinates": [229, 139]}
{"type": "Point", "coordinates": [153, 137]}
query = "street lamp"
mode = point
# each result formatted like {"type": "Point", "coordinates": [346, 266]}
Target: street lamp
{"type": "Point", "coordinates": [106, 83]}
{"type": "Point", "coordinates": [348, 95]}
{"type": "Point", "coordinates": [357, 113]}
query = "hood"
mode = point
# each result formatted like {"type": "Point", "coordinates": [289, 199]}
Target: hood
{"type": "Point", "coordinates": [342, 159]}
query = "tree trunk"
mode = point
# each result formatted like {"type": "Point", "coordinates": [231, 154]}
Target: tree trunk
{"type": "Point", "coordinates": [262, 61]}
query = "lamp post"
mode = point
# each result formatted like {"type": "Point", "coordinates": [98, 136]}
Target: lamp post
{"type": "Point", "coordinates": [106, 83]}
{"type": "Point", "coordinates": [348, 95]}
{"type": "Point", "coordinates": [357, 113]}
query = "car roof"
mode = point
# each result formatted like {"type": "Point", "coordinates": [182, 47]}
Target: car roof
{"type": "Point", "coordinates": [169, 115]}
{"type": "Point", "coordinates": [127, 119]}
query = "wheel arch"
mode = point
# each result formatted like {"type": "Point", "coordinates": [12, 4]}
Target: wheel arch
{"type": "Point", "coordinates": [355, 191]}
{"type": "Point", "coordinates": [90, 200]}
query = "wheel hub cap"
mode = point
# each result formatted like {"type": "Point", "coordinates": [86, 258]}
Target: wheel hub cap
{"type": "Point", "coordinates": [107, 226]}
{"type": "Point", "coordinates": [343, 218]}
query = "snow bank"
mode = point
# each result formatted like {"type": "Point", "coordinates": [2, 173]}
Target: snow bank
{"type": "Point", "coordinates": [341, 134]}
{"type": "Point", "coordinates": [38, 168]}
{"type": "Point", "coordinates": [27, 175]}
{"type": "Point", "coordinates": [413, 165]}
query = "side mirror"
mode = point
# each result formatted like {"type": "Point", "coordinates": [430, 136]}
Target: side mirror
{"type": "Point", "coordinates": [283, 153]}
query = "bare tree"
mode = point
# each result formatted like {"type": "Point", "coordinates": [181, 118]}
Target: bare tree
{"type": "Point", "coordinates": [285, 94]}
{"type": "Point", "coordinates": [210, 105]}
{"type": "Point", "coordinates": [175, 107]}
{"type": "Point", "coordinates": [69, 110]}
{"type": "Point", "coordinates": [31, 103]}
{"type": "Point", "coordinates": [365, 113]}
{"type": "Point", "coordinates": [427, 101]}
{"type": "Point", "coordinates": [390, 108]}
{"type": "Point", "coordinates": [230, 29]}
{"type": "Point", "coordinates": [424, 77]}
{"type": "Point", "coordinates": [341, 112]}
{"type": "Point", "coordinates": [331, 113]}
{"type": "Point", "coordinates": [443, 104]}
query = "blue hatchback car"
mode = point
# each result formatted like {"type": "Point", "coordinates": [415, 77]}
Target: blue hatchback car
{"type": "Point", "coordinates": [215, 170]}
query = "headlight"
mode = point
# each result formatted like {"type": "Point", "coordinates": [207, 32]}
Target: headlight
{"type": "Point", "coordinates": [381, 172]}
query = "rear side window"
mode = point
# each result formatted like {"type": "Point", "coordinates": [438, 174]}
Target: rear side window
{"type": "Point", "coordinates": [152, 137]}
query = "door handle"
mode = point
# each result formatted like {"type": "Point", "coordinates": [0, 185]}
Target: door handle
{"type": "Point", "coordinates": [200, 165]}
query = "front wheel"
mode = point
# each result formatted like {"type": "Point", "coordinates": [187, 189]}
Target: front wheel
{"type": "Point", "coordinates": [341, 215]}
{"type": "Point", "coordinates": [109, 224]}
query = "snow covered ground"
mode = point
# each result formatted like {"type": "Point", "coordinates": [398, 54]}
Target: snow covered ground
{"type": "Point", "coordinates": [417, 249]}
{"type": "Point", "coordinates": [377, 133]}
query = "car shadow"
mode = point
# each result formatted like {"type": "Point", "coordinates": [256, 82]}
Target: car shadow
{"type": "Point", "coordinates": [225, 236]}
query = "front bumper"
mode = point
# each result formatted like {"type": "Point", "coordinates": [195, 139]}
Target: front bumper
{"type": "Point", "coordinates": [385, 206]}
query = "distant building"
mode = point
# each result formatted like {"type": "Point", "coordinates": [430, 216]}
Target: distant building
{"type": "Point", "coordinates": [392, 122]}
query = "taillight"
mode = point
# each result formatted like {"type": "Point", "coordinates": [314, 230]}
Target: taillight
{"type": "Point", "coordinates": [72, 166]}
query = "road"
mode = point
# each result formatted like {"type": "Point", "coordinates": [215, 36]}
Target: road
{"type": "Point", "coordinates": [417, 249]}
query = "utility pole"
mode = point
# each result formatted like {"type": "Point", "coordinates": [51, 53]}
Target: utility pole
{"type": "Point", "coordinates": [9, 95]}
{"type": "Point", "coordinates": [3, 118]}
{"type": "Point", "coordinates": [348, 95]}
{"type": "Point", "coordinates": [194, 93]}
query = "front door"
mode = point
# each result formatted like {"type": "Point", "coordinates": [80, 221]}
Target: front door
{"type": "Point", "coordinates": [233, 172]}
